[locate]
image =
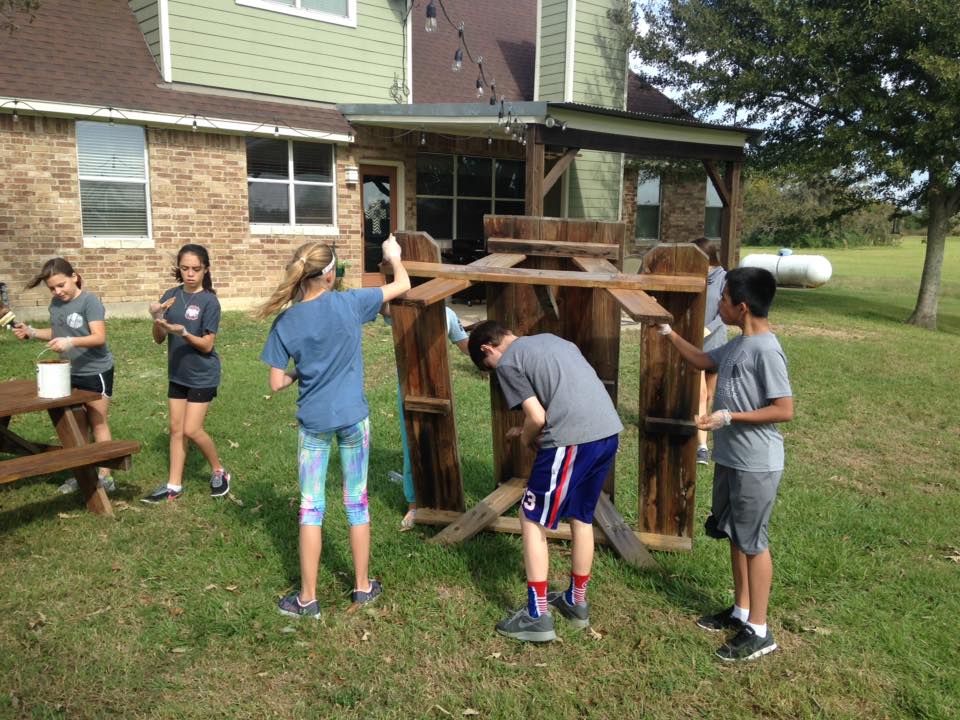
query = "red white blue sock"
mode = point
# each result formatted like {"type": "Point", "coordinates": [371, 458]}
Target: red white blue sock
{"type": "Point", "coordinates": [576, 594]}
{"type": "Point", "coordinates": [537, 598]}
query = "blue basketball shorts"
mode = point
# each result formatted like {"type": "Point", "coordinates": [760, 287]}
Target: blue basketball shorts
{"type": "Point", "coordinates": [566, 481]}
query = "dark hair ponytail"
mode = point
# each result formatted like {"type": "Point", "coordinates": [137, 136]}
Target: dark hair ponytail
{"type": "Point", "coordinates": [56, 266]}
{"type": "Point", "coordinates": [201, 252]}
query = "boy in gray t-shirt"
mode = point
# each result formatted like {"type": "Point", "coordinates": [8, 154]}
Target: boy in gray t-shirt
{"type": "Point", "coordinates": [572, 425]}
{"type": "Point", "coordinates": [753, 393]}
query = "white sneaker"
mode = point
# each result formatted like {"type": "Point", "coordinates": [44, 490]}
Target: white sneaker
{"type": "Point", "coordinates": [394, 476]}
{"type": "Point", "coordinates": [70, 486]}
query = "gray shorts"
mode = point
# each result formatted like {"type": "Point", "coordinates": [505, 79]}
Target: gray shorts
{"type": "Point", "coordinates": [742, 503]}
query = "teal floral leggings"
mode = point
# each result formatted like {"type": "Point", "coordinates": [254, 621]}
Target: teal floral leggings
{"type": "Point", "coordinates": [314, 452]}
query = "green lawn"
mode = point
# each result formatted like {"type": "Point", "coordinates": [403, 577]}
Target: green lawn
{"type": "Point", "coordinates": [170, 611]}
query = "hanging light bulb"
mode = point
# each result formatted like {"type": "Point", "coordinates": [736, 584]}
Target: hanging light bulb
{"type": "Point", "coordinates": [489, 140]}
{"type": "Point", "coordinates": [479, 87]}
{"type": "Point", "coordinates": [110, 115]}
{"type": "Point", "coordinates": [457, 60]}
{"type": "Point", "coordinates": [16, 115]}
{"type": "Point", "coordinates": [194, 128]}
{"type": "Point", "coordinates": [276, 131]}
{"type": "Point", "coordinates": [423, 138]}
{"type": "Point", "coordinates": [431, 23]}
{"type": "Point", "coordinates": [493, 93]}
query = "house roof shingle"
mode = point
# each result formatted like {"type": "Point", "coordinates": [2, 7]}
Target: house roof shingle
{"type": "Point", "coordinates": [91, 52]}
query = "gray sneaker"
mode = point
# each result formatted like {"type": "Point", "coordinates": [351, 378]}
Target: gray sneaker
{"type": "Point", "coordinates": [71, 486]}
{"type": "Point", "coordinates": [745, 645]}
{"type": "Point", "coordinates": [521, 626]}
{"type": "Point", "coordinates": [219, 483]}
{"type": "Point", "coordinates": [703, 456]}
{"type": "Point", "coordinates": [578, 615]}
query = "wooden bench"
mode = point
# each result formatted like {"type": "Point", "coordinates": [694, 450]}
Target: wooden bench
{"type": "Point", "coordinates": [113, 454]}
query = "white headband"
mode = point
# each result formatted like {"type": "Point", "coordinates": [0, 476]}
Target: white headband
{"type": "Point", "coordinates": [332, 264]}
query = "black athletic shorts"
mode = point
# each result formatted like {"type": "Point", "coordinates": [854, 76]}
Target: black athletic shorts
{"type": "Point", "coordinates": [176, 391]}
{"type": "Point", "coordinates": [101, 382]}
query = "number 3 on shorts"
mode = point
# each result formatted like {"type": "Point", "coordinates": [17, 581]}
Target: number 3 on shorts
{"type": "Point", "coordinates": [529, 501]}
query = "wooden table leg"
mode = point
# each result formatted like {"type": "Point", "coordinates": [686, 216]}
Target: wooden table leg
{"type": "Point", "coordinates": [68, 429]}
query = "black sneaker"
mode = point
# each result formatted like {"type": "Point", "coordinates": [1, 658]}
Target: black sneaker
{"type": "Point", "coordinates": [521, 626]}
{"type": "Point", "coordinates": [723, 620]}
{"type": "Point", "coordinates": [219, 483]}
{"type": "Point", "coordinates": [162, 494]}
{"type": "Point", "coordinates": [745, 645]}
{"type": "Point", "coordinates": [359, 596]}
{"type": "Point", "coordinates": [703, 456]}
{"type": "Point", "coordinates": [578, 615]}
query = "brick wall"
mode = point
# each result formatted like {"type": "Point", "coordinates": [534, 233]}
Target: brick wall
{"type": "Point", "coordinates": [198, 191]}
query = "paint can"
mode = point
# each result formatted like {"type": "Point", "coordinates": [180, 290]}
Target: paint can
{"type": "Point", "coordinates": [53, 379]}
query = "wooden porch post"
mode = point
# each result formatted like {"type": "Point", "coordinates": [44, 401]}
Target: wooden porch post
{"type": "Point", "coordinates": [534, 175]}
{"type": "Point", "coordinates": [729, 231]}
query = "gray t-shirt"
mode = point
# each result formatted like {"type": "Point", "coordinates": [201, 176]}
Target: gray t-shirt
{"type": "Point", "coordinates": [751, 371]}
{"type": "Point", "coordinates": [199, 313]}
{"type": "Point", "coordinates": [579, 410]}
{"type": "Point", "coordinates": [716, 277]}
{"type": "Point", "coordinates": [72, 319]}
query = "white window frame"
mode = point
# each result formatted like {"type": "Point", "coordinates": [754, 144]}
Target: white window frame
{"type": "Point", "coordinates": [118, 241]}
{"type": "Point", "coordinates": [711, 192]}
{"type": "Point", "coordinates": [446, 243]}
{"type": "Point", "coordinates": [659, 207]}
{"type": "Point", "coordinates": [349, 20]}
{"type": "Point", "coordinates": [292, 228]}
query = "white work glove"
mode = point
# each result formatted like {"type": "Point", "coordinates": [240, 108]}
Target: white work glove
{"type": "Point", "coordinates": [61, 344]}
{"type": "Point", "coordinates": [714, 421]}
{"type": "Point", "coordinates": [664, 329]}
{"type": "Point", "coordinates": [391, 248]}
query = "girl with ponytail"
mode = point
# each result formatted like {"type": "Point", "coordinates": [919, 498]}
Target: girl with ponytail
{"type": "Point", "coordinates": [188, 318]}
{"type": "Point", "coordinates": [321, 333]}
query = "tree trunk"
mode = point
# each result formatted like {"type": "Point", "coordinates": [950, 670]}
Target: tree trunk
{"type": "Point", "coordinates": [925, 313]}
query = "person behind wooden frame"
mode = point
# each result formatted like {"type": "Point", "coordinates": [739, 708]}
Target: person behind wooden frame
{"type": "Point", "coordinates": [321, 333]}
{"type": "Point", "coordinates": [714, 335]}
{"type": "Point", "coordinates": [188, 318]}
{"type": "Point", "coordinates": [458, 336]}
{"type": "Point", "coordinates": [572, 426]}
{"type": "Point", "coordinates": [78, 331]}
{"type": "Point", "coordinates": [753, 393]}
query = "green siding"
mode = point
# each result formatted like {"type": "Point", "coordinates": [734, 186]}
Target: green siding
{"type": "Point", "coordinates": [600, 59]}
{"type": "Point", "coordinates": [553, 53]}
{"type": "Point", "coordinates": [595, 179]}
{"type": "Point", "coordinates": [148, 18]}
{"type": "Point", "coordinates": [222, 44]}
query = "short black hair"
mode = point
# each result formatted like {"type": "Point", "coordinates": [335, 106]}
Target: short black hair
{"type": "Point", "coordinates": [753, 286]}
{"type": "Point", "coordinates": [489, 332]}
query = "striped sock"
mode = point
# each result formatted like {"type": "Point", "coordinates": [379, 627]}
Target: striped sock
{"type": "Point", "coordinates": [537, 598]}
{"type": "Point", "coordinates": [576, 594]}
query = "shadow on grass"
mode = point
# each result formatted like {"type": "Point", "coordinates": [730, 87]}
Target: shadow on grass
{"type": "Point", "coordinates": [855, 306]}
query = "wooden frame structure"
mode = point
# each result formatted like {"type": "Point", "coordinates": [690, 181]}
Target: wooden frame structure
{"type": "Point", "coordinates": [562, 277]}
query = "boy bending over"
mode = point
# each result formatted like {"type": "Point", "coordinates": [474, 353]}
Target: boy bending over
{"type": "Point", "coordinates": [572, 425]}
{"type": "Point", "coordinates": [753, 393]}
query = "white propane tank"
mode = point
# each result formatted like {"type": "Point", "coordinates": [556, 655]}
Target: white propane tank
{"type": "Point", "coordinates": [792, 270]}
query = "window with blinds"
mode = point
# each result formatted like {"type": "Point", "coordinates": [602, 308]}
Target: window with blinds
{"type": "Point", "coordinates": [114, 188]}
{"type": "Point", "coordinates": [648, 210]}
{"type": "Point", "coordinates": [290, 183]}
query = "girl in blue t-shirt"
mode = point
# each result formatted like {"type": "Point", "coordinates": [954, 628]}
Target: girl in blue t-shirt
{"type": "Point", "coordinates": [188, 318]}
{"type": "Point", "coordinates": [321, 333]}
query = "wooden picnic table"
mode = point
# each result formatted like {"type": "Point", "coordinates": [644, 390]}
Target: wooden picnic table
{"type": "Point", "coordinates": [75, 453]}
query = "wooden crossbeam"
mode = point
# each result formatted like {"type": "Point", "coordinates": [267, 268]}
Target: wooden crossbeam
{"type": "Point", "coordinates": [442, 288]}
{"type": "Point", "coordinates": [650, 282]}
{"type": "Point", "coordinates": [511, 525]}
{"type": "Point", "coordinates": [544, 248]}
{"type": "Point", "coordinates": [636, 303]}
{"type": "Point", "coordinates": [558, 169]}
{"type": "Point", "coordinates": [482, 514]}
{"type": "Point", "coordinates": [620, 535]}
{"type": "Point", "coordinates": [716, 179]}
{"type": "Point", "coordinates": [416, 403]}
{"type": "Point", "coordinates": [547, 297]}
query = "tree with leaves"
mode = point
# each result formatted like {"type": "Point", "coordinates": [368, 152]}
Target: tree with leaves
{"type": "Point", "coordinates": [13, 10]}
{"type": "Point", "coordinates": [863, 95]}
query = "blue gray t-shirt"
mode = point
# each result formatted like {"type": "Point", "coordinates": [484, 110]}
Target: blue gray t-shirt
{"type": "Point", "coordinates": [751, 371]}
{"type": "Point", "coordinates": [199, 313]}
{"type": "Point", "coordinates": [579, 409]}
{"type": "Point", "coordinates": [455, 331]}
{"type": "Point", "coordinates": [72, 319]}
{"type": "Point", "coordinates": [323, 337]}
{"type": "Point", "coordinates": [716, 277]}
